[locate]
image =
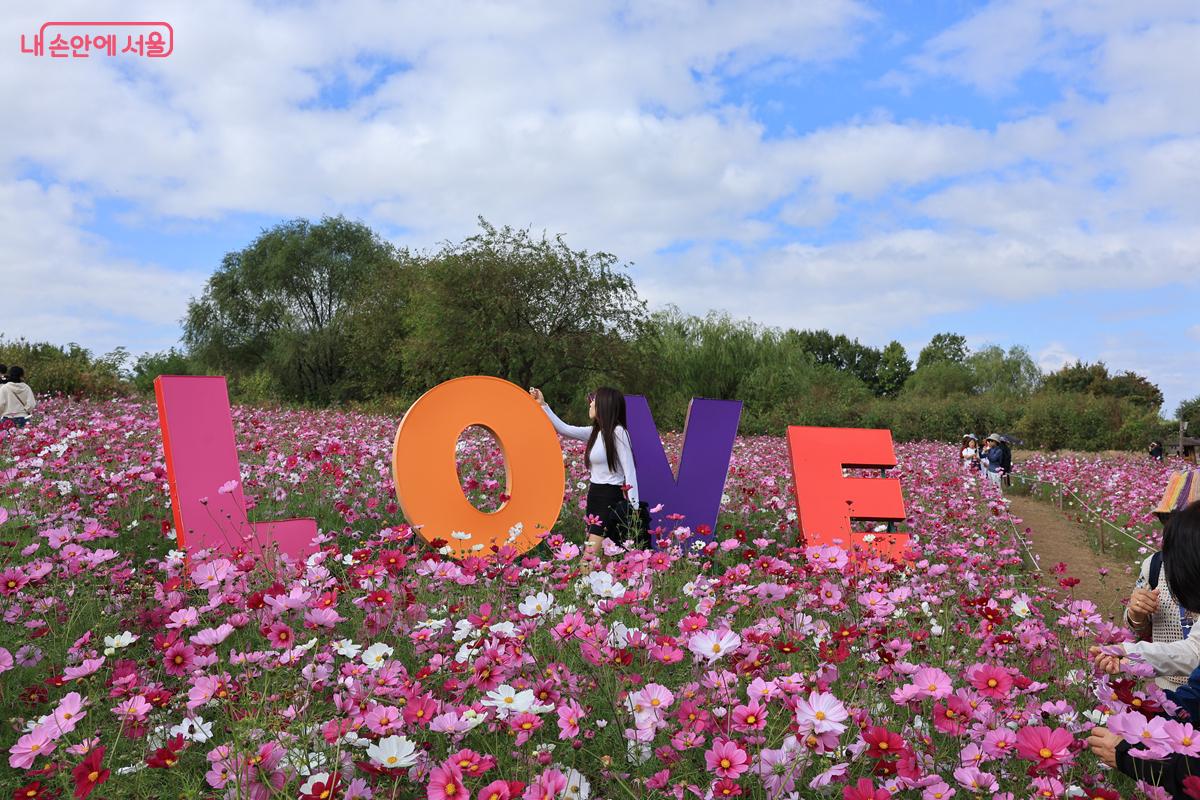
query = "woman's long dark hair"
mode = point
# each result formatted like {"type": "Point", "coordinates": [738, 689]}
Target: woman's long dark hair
{"type": "Point", "coordinates": [1181, 556]}
{"type": "Point", "coordinates": [610, 412]}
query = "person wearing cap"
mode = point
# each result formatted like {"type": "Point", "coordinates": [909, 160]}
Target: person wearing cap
{"type": "Point", "coordinates": [992, 458]}
{"type": "Point", "coordinates": [969, 451]}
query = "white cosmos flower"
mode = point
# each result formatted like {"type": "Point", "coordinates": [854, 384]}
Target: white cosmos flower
{"type": "Point", "coordinates": [578, 787]}
{"type": "Point", "coordinates": [507, 700]}
{"type": "Point", "coordinates": [346, 648]}
{"type": "Point", "coordinates": [377, 655]}
{"type": "Point", "coordinates": [462, 536]}
{"type": "Point", "coordinates": [193, 729]}
{"type": "Point", "coordinates": [114, 643]}
{"type": "Point", "coordinates": [711, 645]}
{"type": "Point", "coordinates": [536, 604]}
{"type": "Point", "coordinates": [393, 752]}
{"type": "Point", "coordinates": [463, 629]}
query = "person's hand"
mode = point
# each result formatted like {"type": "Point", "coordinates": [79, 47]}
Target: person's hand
{"type": "Point", "coordinates": [1110, 662]}
{"type": "Point", "coordinates": [536, 394]}
{"type": "Point", "coordinates": [1103, 744]}
{"type": "Point", "coordinates": [1143, 603]}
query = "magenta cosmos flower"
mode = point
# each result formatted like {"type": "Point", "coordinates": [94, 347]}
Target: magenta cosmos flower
{"type": "Point", "coordinates": [1047, 747]}
{"type": "Point", "coordinates": [726, 760]}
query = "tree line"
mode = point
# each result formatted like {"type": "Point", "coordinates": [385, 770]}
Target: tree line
{"type": "Point", "coordinates": [329, 313]}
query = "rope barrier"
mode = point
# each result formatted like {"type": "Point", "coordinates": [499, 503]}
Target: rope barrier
{"type": "Point", "coordinates": [1099, 517]}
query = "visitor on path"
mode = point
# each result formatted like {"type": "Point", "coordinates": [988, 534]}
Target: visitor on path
{"type": "Point", "coordinates": [609, 456]}
{"type": "Point", "coordinates": [1005, 460]}
{"type": "Point", "coordinates": [969, 451]}
{"type": "Point", "coordinates": [1156, 451]}
{"type": "Point", "coordinates": [992, 458]}
{"type": "Point", "coordinates": [16, 399]}
{"type": "Point", "coordinates": [1181, 568]}
{"type": "Point", "coordinates": [3, 373]}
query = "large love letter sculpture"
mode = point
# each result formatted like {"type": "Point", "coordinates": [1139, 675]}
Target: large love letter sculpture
{"type": "Point", "coordinates": [695, 492]}
{"type": "Point", "coordinates": [205, 477]}
{"type": "Point", "coordinates": [826, 501]}
{"type": "Point", "coordinates": [425, 467]}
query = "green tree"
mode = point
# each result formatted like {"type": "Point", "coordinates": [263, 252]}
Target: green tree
{"type": "Point", "coordinates": [149, 366]}
{"type": "Point", "coordinates": [949, 347]}
{"type": "Point", "coordinates": [281, 305]}
{"type": "Point", "coordinates": [841, 353]}
{"type": "Point", "coordinates": [1094, 379]}
{"type": "Point", "coordinates": [894, 369]}
{"type": "Point", "coordinates": [1189, 412]}
{"type": "Point", "coordinates": [1137, 389]}
{"type": "Point", "coordinates": [528, 309]}
{"type": "Point", "coordinates": [997, 372]}
{"type": "Point", "coordinates": [940, 379]}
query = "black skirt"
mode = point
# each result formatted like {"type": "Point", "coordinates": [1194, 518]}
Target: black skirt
{"type": "Point", "coordinates": [607, 501]}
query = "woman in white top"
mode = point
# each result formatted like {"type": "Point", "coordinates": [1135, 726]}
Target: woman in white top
{"type": "Point", "coordinates": [16, 398]}
{"type": "Point", "coordinates": [609, 456]}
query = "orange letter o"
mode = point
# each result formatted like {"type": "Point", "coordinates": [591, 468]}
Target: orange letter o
{"type": "Point", "coordinates": [425, 468]}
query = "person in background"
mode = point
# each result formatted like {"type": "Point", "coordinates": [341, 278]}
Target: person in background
{"type": "Point", "coordinates": [1005, 461]}
{"type": "Point", "coordinates": [992, 458]}
{"type": "Point", "coordinates": [608, 453]}
{"type": "Point", "coordinates": [1156, 451]}
{"type": "Point", "coordinates": [3, 373]}
{"type": "Point", "coordinates": [969, 452]}
{"type": "Point", "coordinates": [16, 399]}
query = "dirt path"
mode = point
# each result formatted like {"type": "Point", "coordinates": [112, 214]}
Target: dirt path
{"type": "Point", "coordinates": [1054, 538]}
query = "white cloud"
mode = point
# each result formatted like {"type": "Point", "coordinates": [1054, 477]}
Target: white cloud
{"type": "Point", "coordinates": [608, 122]}
{"type": "Point", "coordinates": [1054, 357]}
{"type": "Point", "coordinates": [60, 284]}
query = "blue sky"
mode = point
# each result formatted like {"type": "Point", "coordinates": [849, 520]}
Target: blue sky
{"type": "Point", "coordinates": [1020, 172]}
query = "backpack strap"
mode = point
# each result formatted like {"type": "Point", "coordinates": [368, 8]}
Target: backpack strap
{"type": "Point", "coordinates": [1155, 569]}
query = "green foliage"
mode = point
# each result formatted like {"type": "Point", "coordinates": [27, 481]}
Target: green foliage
{"type": "Point", "coordinates": [996, 372]}
{"type": "Point", "coordinates": [70, 370]}
{"type": "Point", "coordinates": [525, 308]}
{"type": "Point", "coordinates": [841, 353]}
{"type": "Point", "coordinates": [940, 379]}
{"type": "Point", "coordinates": [913, 417]}
{"type": "Point", "coordinates": [149, 366]}
{"type": "Point", "coordinates": [282, 304]}
{"type": "Point", "coordinates": [1095, 380]}
{"type": "Point", "coordinates": [1189, 412]}
{"type": "Point", "coordinates": [950, 347]}
{"type": "Point", "coordinates": [894, 369]}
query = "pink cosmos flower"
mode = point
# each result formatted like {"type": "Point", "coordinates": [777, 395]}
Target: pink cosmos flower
{"type": "Point", "coordinates": [67, 714]}
{"type": "Point", "coordinates": [932, 682]}
{"type": "Point", "coordinates": [712, 645]}
{"type": "Point", "coordinates": [179, 659]}
{"type": "Point", "coordinates": [383, 720]}
{"type": "Point", "coordinates": [135, 709]}
{"type": "Point", "coordinates": [865, 790]}
{"type": "Point", "coordinates": [446, 783]}
{"type": "Point", "coordinates": [37, 742]}
{"type": "Point", "coordinates": [1183, 738]}
{"type": "Point", "coordinates": [725, 759]}
{"type": "Point", "coordinates": [990, 681]}
{"type": "Point", "coordinates": [749, 717]}
{"type": "Point", "coordinates": [83, 670]}
{"type": "Point", "coordinates": [569, 716]}
{"type": "Point", "coordinates": [1047, 747]}
{"type": "Point", "coordinates": [821, 713]}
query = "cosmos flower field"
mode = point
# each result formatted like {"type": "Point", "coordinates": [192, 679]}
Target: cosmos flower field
{"type": "Point", "coordinates": [378, 669]}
